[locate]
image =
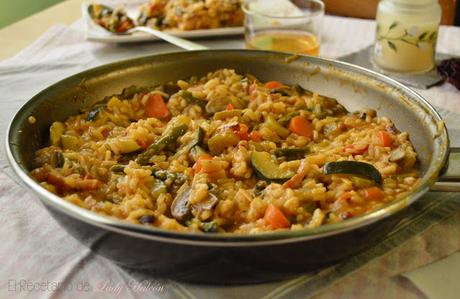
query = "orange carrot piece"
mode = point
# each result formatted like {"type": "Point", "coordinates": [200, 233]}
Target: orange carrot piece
{"type": "Point", "coordinates": [230, 107]}
{"type": "Point", "coordinates": [242, 131]}
{"type": "Point", "coordinates": [298, 177]}
{"type": "Point", "coordinates": [294, 181]}
{"type": "Point", "coordinates": [275, 217]}
{"type": "Point", "coordinates": [198, 167]}
{"type": "Point", "coordinates": [373, 193]}
{"type": "Point", "coordinates": [255, 136]}
{"type": "Point", "coordinates": [356, 149]}
{"type": "Point", "coordinates": [384, 138]}
{"type": "Point", "coordinates": [344, 196]}
{"type": "Point", "coordinates": [301, 126]}
{"type": "Point", "coordinates": [273, 84]}
{"type": "Point", "coordinates": [156, 107]}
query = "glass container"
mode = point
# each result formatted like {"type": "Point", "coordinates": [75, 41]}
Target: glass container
{"type": "Point", "coordinates": [406, 35]}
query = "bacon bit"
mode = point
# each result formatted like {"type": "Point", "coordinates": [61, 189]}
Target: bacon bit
{"type": "Point", "coordinates": [230, 107]}
{"type": "Point", "coordinates": [255, 136]}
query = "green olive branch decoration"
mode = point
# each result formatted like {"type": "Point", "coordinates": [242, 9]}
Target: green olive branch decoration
{"type": "Point", "coordinates": [427, 36]}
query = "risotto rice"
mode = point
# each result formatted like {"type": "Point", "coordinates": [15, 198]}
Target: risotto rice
{"type": "Point", "coordinates": [226, 153]}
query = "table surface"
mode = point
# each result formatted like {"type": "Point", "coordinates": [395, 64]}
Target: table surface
{"type": "Point", "coordinates": [17, 36]}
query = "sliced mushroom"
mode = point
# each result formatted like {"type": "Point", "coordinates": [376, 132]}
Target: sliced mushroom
{"type": "Point", "coordinates": [397, 155]}
{"type": "Point", "coordinates": [206, 205]}
{"type": "Point", "coordinates": [180, 207]}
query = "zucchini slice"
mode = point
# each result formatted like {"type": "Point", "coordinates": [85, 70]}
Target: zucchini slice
{"type": "Point", "coordinates": [267, 169]}
{"type": "Point", "coordinates": [292, 153]}
{"type": "Point", "coordinates": [355, 168]}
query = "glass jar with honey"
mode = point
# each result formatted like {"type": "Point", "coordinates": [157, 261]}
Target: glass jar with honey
{"type": "Point", "coordinates": [406, 35]}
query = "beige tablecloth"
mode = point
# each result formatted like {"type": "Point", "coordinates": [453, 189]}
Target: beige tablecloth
{"type": "Point", "coordinates": [39, 260]}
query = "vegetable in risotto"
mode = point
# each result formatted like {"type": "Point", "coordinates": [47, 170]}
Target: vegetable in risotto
{"type": "Point", "coordinates": [226, 153]}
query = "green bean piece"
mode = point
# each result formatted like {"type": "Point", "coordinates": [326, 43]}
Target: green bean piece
{"type": "Point", "coordinates": [160, 144]}
{"type": "Point", "coordinates": [193, 100]}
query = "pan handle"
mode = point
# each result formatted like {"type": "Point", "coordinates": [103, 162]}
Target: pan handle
{"type": "Point", "coordinates": [449, 180]}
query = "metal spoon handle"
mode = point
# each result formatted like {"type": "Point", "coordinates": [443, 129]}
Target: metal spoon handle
{"type": "Point", "coordinates": [180, 42]}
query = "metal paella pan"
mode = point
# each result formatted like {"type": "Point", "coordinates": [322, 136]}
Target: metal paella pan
{"type": "Point", "coordinates": [233, 258]}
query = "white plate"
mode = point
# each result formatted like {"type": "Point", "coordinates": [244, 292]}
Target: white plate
{"type": "Point", "coordinates": [94, 32]}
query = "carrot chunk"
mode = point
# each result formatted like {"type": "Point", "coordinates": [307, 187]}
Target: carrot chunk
{"type": "Point", "coordinates": [301, 126]}
{"type": "Point", "coordinates": [255, 136]}
{"type": "Point", "coordinates": [198, 167]}
{"type": "Point", "coordinates": [384, 138]}
{"type": "Point", "coordinates": [230, 107]}
{"type": "Point", "coordinates": [344, 196]}
{"type": "Point", "coordinates": [373, 193]}
{"type": "Point", "coordinates": [156, 107]}
{"type": "Point", "coordinates": [241, 130]}
{"type": "Point", "coordinates": [273, 84]}
{"type": "Point", "coordinates": [275, 217]}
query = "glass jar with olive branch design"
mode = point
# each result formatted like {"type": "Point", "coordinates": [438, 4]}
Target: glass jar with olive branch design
{"type": "Point", "coordinates": [406, 35]}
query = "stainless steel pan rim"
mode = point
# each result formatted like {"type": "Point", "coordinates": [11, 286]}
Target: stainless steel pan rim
{"type": "Point", "coordinates": [239, 240]}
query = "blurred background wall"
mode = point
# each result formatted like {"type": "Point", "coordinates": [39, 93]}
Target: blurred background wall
{"type": "Point", "coordinates": [15, 10]}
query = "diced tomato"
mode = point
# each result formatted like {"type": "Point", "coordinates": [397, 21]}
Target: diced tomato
{"type": "Point", "coordinates": [275, 217]}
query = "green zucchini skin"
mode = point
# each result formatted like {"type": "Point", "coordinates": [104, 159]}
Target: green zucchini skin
{"type": "Point", "coordinates": [353, 168]}
{"type": "Point", "coordinates": [267, 169]}
{"type": "Point", "coordinates": [292, 153]}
